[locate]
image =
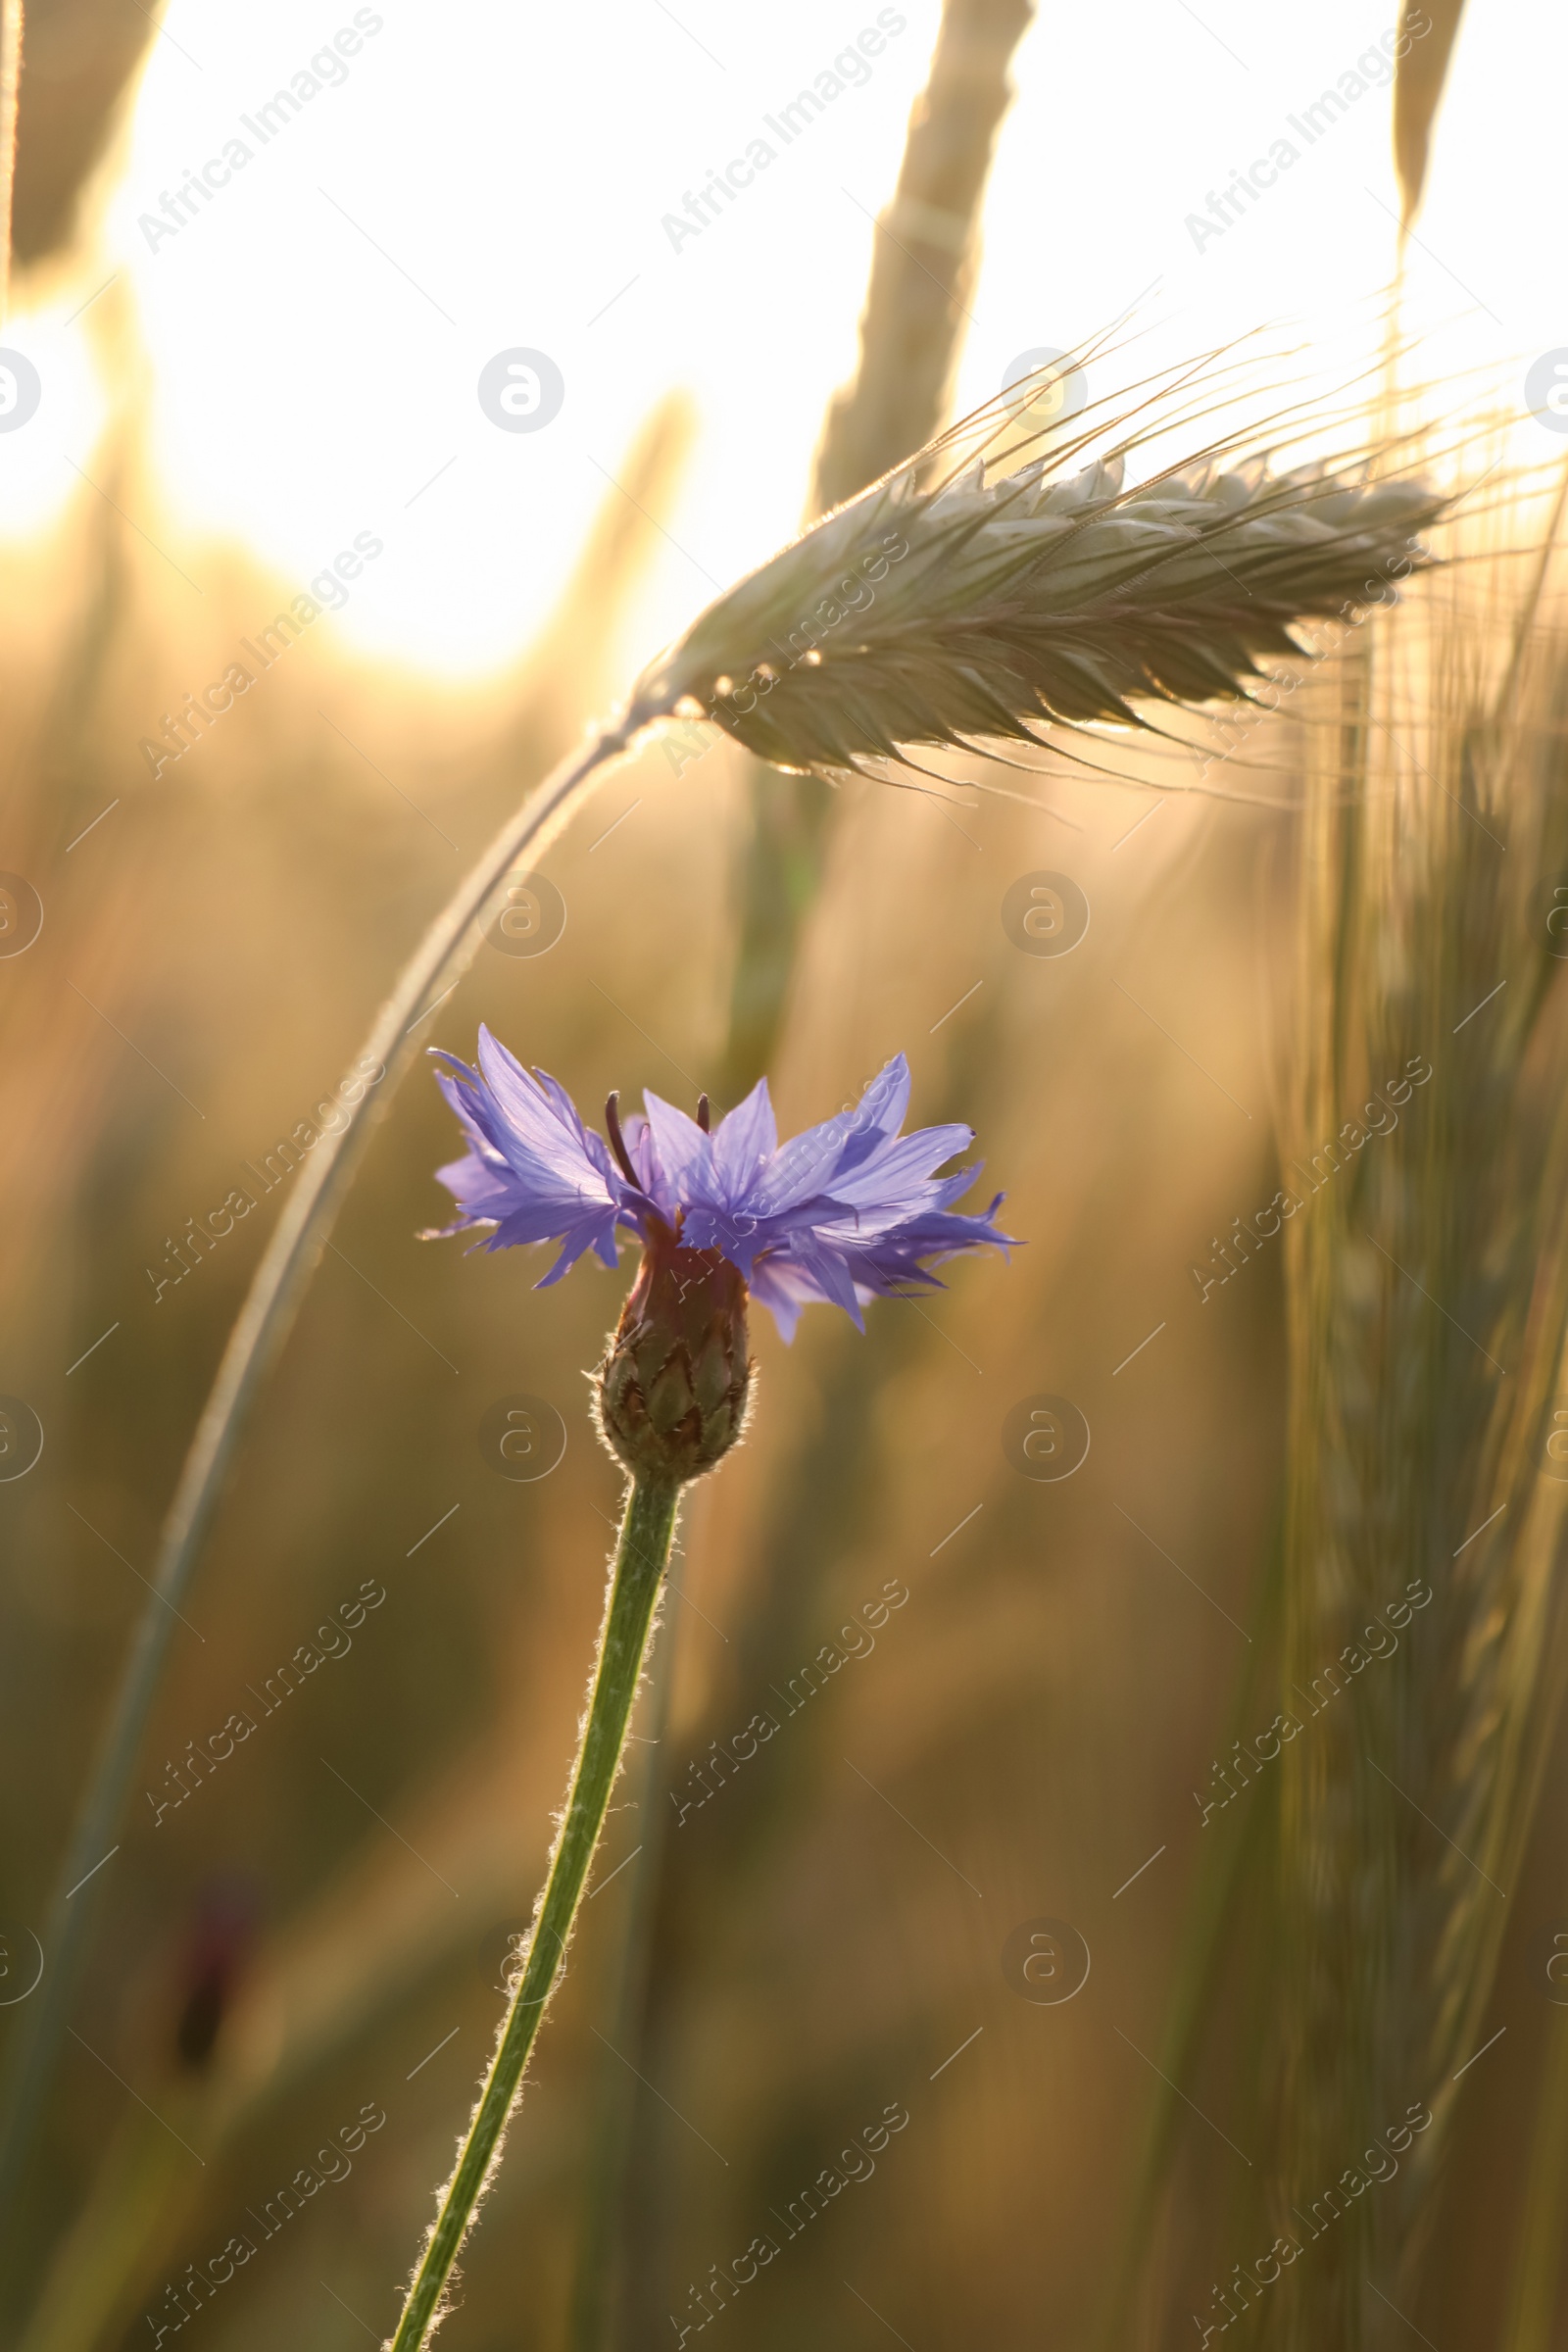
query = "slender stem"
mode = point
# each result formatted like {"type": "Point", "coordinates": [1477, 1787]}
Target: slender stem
{"type": "Point", "coordinates": [597, 2288]}
{"type": "Point", "coordinates": [1538, 2259]}
{"type": "Point", "coordinates": [10, 92]}
{"type": "Point", "coordinates": [923, 258]}
{"type": "Point", "coordinates": [276, 1289]}
{"type": "Point", "coordinates": [641, 1555]}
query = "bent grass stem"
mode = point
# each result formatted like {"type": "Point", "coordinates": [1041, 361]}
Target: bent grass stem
{"type": "Point", "coordinates": [275, 1290]}
{"type": "Point", "coordinates": [641, 1553]}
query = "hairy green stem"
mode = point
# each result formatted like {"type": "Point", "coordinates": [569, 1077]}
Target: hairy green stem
{"type": "Point", "coordinates": [276, 1287]}
{"type": "Point", "coordinates": [597, 2286]}
{"type": "Point", "coordinates": [641, 1555]}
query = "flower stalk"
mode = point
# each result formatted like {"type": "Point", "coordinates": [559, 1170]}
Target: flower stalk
{"type": "Point", "coordinates": [642, 1554]}
{"type": "Point", "coordinates": [844, 1212]}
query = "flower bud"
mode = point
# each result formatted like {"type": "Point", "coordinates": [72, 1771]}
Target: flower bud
{"type": "Point", "coordinates": [672, 1388]}
{"type": "Point", "coordinates": [216, 1948]}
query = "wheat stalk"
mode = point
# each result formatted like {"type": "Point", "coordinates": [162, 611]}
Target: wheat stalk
{"type": "Point", "coordinates": [1421, 70]}
{"type": "Point", "coordinates": [1428, 1299]}
{"type": "Point", "coordinates": [925, 255]}
{"type": "Point", "coordinates": [970, 599]}
{"type": "Point", "coordinates": [923, 262]}
{"type": "Point", "coordinates": [10, 95]}
{"type": "Point", "coordinates": [1020, 598]}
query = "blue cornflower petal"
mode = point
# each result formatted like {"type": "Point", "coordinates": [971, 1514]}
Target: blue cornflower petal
{"type": "Point", "coordinates": [535, 1173]}
{"type": "Point", "coordinates": [744, 1141]}
{"type": "Point", "coordinates": [802, 1171]}
{"type": "Point", "coordinates": [685, 1154]}
{"type": "Point", "coordinates": [846, 1211]}
{"type": "Point", "coordinates": [784, 1288]}
{"type": "Point", "coordinates": [539, 1125]}
{"type": "Point", "coordinates": [904, 1169]}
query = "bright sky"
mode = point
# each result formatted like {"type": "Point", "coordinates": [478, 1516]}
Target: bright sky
{"type": "Point", "coordinates": [495, 179]}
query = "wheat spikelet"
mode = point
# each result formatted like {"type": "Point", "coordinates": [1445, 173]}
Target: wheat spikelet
{"type": "Point", "coordinates": [971, 598]}
{"type": "Point", "coordinates": [1428, 1299]}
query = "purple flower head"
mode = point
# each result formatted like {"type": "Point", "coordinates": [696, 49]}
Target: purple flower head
{"type": "Point", "coordinates": [847, 1212]}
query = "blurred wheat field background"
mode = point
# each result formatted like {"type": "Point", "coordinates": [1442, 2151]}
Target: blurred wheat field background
{"type": "Point", "coordinates": [1001, 1701]}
